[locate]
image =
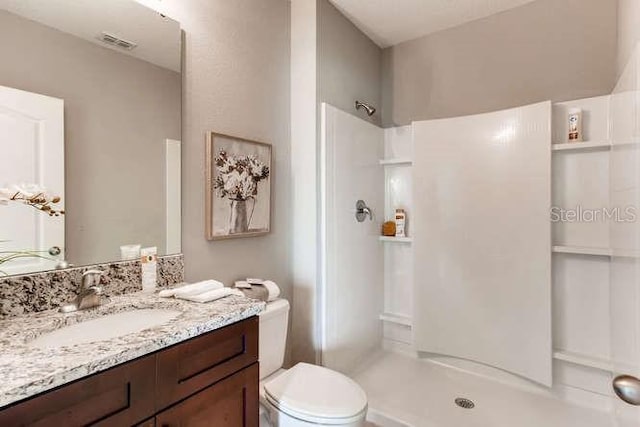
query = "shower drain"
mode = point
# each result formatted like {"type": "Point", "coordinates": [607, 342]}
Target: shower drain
{"type": "Point", "coordinates": [465, 403]}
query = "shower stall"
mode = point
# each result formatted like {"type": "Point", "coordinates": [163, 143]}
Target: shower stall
{"type": "Point", "coordinates": [514, 299]}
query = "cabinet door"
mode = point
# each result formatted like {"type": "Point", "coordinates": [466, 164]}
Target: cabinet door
{"type": "Point", "coordinates": [233, 402]}
{"type": "Point", "coordinates": [117, 397]}
{"type": "Point", "coordinates": [196, 364]}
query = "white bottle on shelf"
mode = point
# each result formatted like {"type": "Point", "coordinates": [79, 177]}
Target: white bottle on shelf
{"type": "Point", "coordinates": [149, 258]}
{"type": "Point", "coordinates": [401, 218]}
{"type": "Point", "coordinates": [575, 125]}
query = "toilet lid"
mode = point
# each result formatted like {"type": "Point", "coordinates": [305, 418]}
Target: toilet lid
{"type": "Point", "coordinates": [316, 394]}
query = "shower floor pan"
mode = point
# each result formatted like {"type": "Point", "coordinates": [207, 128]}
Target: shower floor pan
{"type": "Point", "coordinates": [406, 392]}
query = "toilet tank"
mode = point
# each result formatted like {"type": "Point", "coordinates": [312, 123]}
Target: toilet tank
{"type": "Point", "coordinates": [274, 321]}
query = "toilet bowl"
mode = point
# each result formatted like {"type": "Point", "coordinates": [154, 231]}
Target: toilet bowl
{"type": "Point", "coordinates": [304, 395]}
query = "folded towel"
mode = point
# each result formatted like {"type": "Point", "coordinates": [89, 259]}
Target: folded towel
{"type": "Point", "coordinates": [267, 291]}
{"type": "Point", "coordinates": [210, 295]}
{"type": "Point", "coordinates": [192, 289]}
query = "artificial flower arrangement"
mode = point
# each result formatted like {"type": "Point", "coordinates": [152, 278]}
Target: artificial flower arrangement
{"type": "Point", "coordinates": [32, 195]}
{"type": "Point", "coordinates": [38, 198]}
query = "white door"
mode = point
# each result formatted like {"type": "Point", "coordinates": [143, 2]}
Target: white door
{"type": "Point", "coordinates": [32, 152]}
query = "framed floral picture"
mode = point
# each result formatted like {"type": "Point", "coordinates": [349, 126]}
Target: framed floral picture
{"type": "Point", "coordinates": [238, 187]}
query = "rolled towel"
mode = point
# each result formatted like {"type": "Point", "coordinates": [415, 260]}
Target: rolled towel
{"type": "Point", "coordinates": [210, 295]}
{"type": "Point", "coordinates": [273, 288]}
{"type": "Point", "coordinates": [192, 289]}
{"type": "Point", "coordinates": [258, 292]}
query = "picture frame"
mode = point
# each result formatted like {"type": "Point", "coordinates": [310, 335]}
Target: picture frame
{"type": "Point", "coordinates": [238, 187]}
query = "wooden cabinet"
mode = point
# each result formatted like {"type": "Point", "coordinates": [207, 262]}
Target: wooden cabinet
{"type": "Point", "coordinates": [196, 364]}
{"type": "Point", "coordinates": [210, 380]}
{"type": "Point", "coordinates": [228, 403]}
{"type": "Point", "coordinates": [118, 396]}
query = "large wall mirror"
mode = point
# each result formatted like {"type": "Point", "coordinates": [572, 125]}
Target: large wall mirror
{"type": "Point", "coordinates": [90, 130]}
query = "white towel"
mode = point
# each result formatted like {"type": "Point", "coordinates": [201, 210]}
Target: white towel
{"type": "Point", "coordinates": [192, 289]}
{"type": "Point", "coordinates": [211, 295]}
{"type": "Point", "coordinates": [273, 288]}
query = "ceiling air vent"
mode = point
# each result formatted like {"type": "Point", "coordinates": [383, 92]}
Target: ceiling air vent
{"type": "Point", "coordinates": [115, 41]}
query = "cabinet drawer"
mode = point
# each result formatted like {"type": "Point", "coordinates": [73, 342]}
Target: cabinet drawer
{"type": "Point", "coordinates": [232, 402]}
{"type": "Point", "coordinates": [198, 363]}
{"type": "Point", "coordinates": [116, 397]}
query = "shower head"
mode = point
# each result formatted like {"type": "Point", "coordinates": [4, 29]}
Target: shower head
{"type": "Point", "coordinates": [368, 108]}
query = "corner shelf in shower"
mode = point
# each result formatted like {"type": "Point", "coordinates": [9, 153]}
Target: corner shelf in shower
{"type": "Point", "coordinates": [396, 162]}
{"type": "Point", "coordinates": [398, 319]}
{"type": "Point", "coordinates": [576, 146]}
{"type": "Point", "coordinates": [579, 250]}
{"type": "Point", "coordinates": [395, 239]}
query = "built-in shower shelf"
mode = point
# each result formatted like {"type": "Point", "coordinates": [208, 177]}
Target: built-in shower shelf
{"type": "Point", "coordinates": [396, 162]}
{"type": "Point", "coordinates": [579, 250]}
{"type": "Point", "coordinates": [625, 253]}
{"type": "Point", "coordinates": [582, 360]}
{"type": "Point", "coordinates": [396, 239]}
{"type": "Point", "coordinates": [397, 319]}
{"type": "Point", "coordinates": [575, 146]}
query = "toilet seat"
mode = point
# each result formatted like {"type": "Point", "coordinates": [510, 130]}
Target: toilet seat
{"type": "Point", "coordinates": [317, 395]}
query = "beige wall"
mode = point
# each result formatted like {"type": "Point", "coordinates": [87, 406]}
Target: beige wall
{"type": "Point", "coordinates": [628, 30]}
{"type": "Point", "coordinates": [236, 81]}
{"type": "Point", "coordinates": [118, 112]}
{"type": "Point", "coordinates": [547, 49]}
{"type": "Point", "coordinates": [350, 64]}
{"type": "Point", "coordinates": [305, 333]}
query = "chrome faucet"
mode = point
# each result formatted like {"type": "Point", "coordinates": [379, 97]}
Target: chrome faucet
{"type": "Point", "coordinates": [89, 294]}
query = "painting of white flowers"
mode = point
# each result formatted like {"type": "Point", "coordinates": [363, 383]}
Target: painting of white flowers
{"type": "Point", "coordinates": [238, 190]}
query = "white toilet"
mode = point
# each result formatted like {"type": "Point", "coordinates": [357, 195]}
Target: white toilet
{"type": "Point", "coordinates": [305, 395]}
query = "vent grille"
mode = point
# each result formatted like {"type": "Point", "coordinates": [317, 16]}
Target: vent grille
{"type": "Point", "coordinates": [116, 41]}
{"type": "Point", "coordinates": [465, 403]}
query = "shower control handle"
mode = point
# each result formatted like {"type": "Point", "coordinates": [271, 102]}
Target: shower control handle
{"type": "Point", "coordinates": [362, 210]}
{"type": "Point", "coordinates": [627, 388]}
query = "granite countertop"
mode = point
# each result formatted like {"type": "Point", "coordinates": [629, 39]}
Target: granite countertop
{"type": "Point", "coordinates": [26, 370]}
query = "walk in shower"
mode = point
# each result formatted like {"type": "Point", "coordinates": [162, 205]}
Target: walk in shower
{"type": "Point", "coordinates": [491, 312]}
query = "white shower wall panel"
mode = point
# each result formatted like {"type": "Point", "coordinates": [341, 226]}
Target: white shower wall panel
{"type": "Point", "coordinates": [398, 142]}
{"type": "Point", "coordinates": [398, 257]}
{"type": "Point", "coordinates": [482, 239]}
{"type": "Point", "coordinates": [581, 313]}
{"type": "Point", "coordinates": [581, 178]}
{"type": "Point", "coordinates": [353, 266]}
{"type": "Point", "coordinates": [625, 236]}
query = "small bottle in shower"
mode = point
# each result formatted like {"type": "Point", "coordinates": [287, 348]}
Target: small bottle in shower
{"type": "Point", "coordinates": [575, 125]}
{"type": "Point", "coordinates": [401, 218]}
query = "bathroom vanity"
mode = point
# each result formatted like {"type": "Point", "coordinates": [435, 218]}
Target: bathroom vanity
{"type": "Point", "coordinates": [200, 368]}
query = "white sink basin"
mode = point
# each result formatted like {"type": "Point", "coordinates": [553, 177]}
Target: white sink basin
{"type": "Point", "coordinates": [105, 327]}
